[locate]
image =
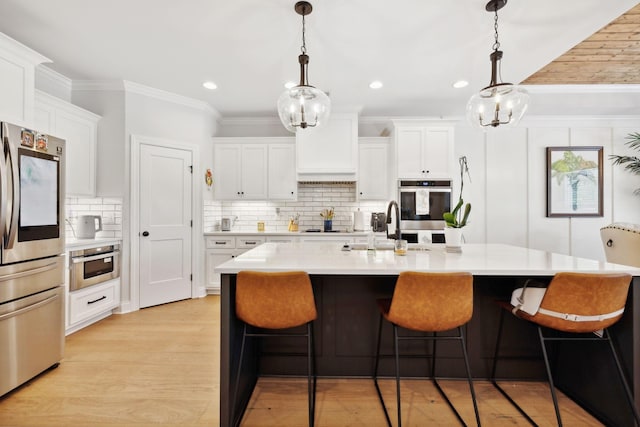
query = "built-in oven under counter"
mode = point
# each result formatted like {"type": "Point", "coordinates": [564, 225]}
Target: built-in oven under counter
{"type": "Point", "coordinates": [92, 266]}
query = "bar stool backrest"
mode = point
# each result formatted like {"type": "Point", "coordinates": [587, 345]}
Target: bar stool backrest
{"type": "Point", "coordinates": [583, 294]}
{"type": "Point", "coordinates": [432, 301]}
{"type": "Point", "coordinates": [275, 300]}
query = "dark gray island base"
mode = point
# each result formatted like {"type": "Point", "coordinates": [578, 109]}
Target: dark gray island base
{"type": "Point", "coordinates": [345, 337]}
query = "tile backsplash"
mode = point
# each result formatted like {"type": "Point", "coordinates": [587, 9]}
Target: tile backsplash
{"type": "Point", "coordinates": [312, 199]}
{"type": "Point", "coordinates": [110, 209]}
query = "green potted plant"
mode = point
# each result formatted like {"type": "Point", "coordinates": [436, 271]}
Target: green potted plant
{"type": "Point", "coordinates": [632, 163]}
{"type": "Point", "coordinates": [457, 218]}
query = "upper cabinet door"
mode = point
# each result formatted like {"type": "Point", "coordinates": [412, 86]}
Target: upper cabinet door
{"type": "Point", "coordinates": [227, 176]}
{"type": "Point", "coordinates": [411, 145]}
{"type": "Point", "coordinates": [424, 152]}
{"type": "Point", "coordinates": [373, 171]}
{"type": "Point", "coordinates": [282, 172]}
{"type": "Point", "coordinates": [254, 172]}
{"type": "Point", "coordinates": [79, 129]}
{"type": "Point", "coordinates": [17, 81]}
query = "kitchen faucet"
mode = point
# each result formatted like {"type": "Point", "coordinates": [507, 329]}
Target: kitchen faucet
{"type": "Point", "coordinates": [397, 235]}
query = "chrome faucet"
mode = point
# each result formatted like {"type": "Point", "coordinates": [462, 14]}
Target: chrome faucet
{"type": "Point", "coordinates": [397, 235]}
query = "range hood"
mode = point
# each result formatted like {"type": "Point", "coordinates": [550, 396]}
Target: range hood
{"type": "Point", "coordinates": [328, 153]}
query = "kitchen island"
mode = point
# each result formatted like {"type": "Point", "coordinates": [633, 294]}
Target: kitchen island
{"type": "Point", "coordinates": [347, 283]}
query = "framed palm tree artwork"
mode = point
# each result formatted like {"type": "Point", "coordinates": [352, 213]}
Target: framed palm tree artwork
{"type": "Point", "coordinates": [574, 181]}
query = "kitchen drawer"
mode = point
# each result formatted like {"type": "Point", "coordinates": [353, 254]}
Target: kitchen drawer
{"type": "Point", "coordinates": [94, 300]}
{"type": "Point", "coordinates": [221, 242]}
{"type": "Point", "coordinates": [248, 242]}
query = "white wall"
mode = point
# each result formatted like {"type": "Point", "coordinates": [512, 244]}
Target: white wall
{"type": "Point", "coordinates": [508, 190]}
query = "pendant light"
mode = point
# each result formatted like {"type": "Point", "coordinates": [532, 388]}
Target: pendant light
{"type": "Point", "coordinates": [303, 106]}
{"type": "Point", "coordinates": [499, 104]}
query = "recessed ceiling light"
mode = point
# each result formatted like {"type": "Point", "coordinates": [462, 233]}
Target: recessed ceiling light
{"type": "Point", "coordinates": [210, 85]}
{"type": "Point", "coordinates": [376, 84]}
{"type": "Point", "coordinates": [290, 84]}
{"type": "Point", "coordinates": [460, 84]}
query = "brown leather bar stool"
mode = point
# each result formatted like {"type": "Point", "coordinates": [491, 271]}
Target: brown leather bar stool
{"type": "Point", "coordinates": [276, 301]}
{"type": "Point", "coordinates": [428, 302]}
{"type": "Point", "coordinates": [581, 306]}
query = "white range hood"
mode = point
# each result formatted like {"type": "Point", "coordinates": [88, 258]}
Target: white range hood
{"type": "Point", "coordinates": [329, 153]}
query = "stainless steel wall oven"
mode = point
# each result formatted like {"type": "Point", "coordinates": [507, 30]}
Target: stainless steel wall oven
{"type": "Point", "coordinates": [92, 266]}
{"type": "Point", "coordinates": [422, 204]}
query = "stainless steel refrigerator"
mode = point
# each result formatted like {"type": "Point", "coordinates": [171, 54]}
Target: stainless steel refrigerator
{"type": "Point", "coordinates": [31, 254]}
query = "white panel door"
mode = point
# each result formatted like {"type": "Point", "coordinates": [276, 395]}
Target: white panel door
{"type": "Point", "coordinates": [165, 225]}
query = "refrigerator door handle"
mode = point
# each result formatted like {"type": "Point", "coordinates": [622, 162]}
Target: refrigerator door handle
{"type": "Point", "coordinates": [15, 203]}
{"type": "Point", "coordinates": [3, 179]}
{"type": "Point", "coordinates": [29, 272]}
{"type": "Point", "coordinates": [28, 308]}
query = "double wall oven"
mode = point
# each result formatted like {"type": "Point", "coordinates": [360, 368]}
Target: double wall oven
{"type": "Point", "coordinates": [422, 204]}
{"type": "Point", "coordinates": [31, 254]}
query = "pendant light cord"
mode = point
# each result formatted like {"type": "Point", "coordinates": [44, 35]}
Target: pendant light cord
{"type": "Point", "coordinates": [303, 48]}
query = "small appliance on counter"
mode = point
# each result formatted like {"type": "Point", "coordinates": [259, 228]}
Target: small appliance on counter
{"type": "Point", "coordinates": [378, 222]}
{"type": "Point", "coordinates": [87, 226]}
{"type": "Point", "coordinates": [225, 224]}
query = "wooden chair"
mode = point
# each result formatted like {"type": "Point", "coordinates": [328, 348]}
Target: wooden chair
{"type": "Point", "coordinates": [428, 302]}
{"type": "Point", "coordinates": [276, 301]}
{"type": "Point", "coordinates": [574, 304]}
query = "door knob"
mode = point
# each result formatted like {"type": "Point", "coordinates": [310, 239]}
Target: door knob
{"type": "Point", "coordinates": [145, 233]}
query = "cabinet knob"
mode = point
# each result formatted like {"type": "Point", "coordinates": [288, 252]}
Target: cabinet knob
{"type": "Point", "coordinates": [361, 193]}
{"type": "Point", "coordinates": [145, 233]}
{"type": "Point", "coordinates": [292, 192]}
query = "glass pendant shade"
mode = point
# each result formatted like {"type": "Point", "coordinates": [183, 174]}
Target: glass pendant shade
{"type": "Point", "coordinates": [501, 105]}
{"type": "Point", "coordinates": [303, 107]}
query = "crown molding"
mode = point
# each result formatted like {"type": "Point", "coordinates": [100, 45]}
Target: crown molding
{"type": "Point", "coordinates": [55, 77]}
{"type": "Point", "coordinates": [18, 50]}
{"type": "Point", "coordinates": [139, 89]}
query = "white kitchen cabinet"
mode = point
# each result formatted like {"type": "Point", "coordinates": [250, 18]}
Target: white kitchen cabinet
{"type": "Point", "coordinates": [330, 151]}
{"type": "Point", "coordinates": [17, 81]}
{"type": "Point", "coordinates": [282, 172]}
{"type": "Point", "coordinates": [79, 129]}
{"type": "Point", "coordinates": [91, 304]}
{"type": "Point", "coordinates": [240, 170]}
{"type": "Point", "coordinates": [220, 249]}
{"type": "Point", "coordinates": [424, 151]}
{"type": "Point", "coordinates": [373, 169]}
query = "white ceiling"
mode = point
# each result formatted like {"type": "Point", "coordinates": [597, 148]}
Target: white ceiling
{"type": "Point", "coordinates": [418, 48]}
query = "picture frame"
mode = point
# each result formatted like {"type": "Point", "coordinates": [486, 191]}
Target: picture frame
{"type": "Point", "coordinates": [26, 138]}
{"type": "Point", "coordinates": [574, 181]}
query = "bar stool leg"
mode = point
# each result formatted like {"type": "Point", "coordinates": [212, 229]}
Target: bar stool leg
{"type": "Point", "coordinates": [466, 364]}
{"type": "Point", "coordinates": [494, 369]}
{"type": "Point", "coordinates": [551, 386]}
{"type": "Point", "coordinates": [311, 388]}
{"type": "Point", "coordinates": [375, 373]}
{"type": "Point", "coordinates": [623, 379]}
{"type": "Point", "coordinates": [235, 389]}
{"type": "Point", "coordinates": [397, 356]}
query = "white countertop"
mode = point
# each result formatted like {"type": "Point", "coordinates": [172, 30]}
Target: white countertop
{"type": "Point", "coordinates": [288, 233]}
{"type": "Point", "coordinates": [77, 244]}
{"type": "Point", "coordinates": [478, 259]}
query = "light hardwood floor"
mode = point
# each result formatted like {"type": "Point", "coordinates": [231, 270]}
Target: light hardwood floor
{"type": "Point", "coordinates": [160, 366]}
